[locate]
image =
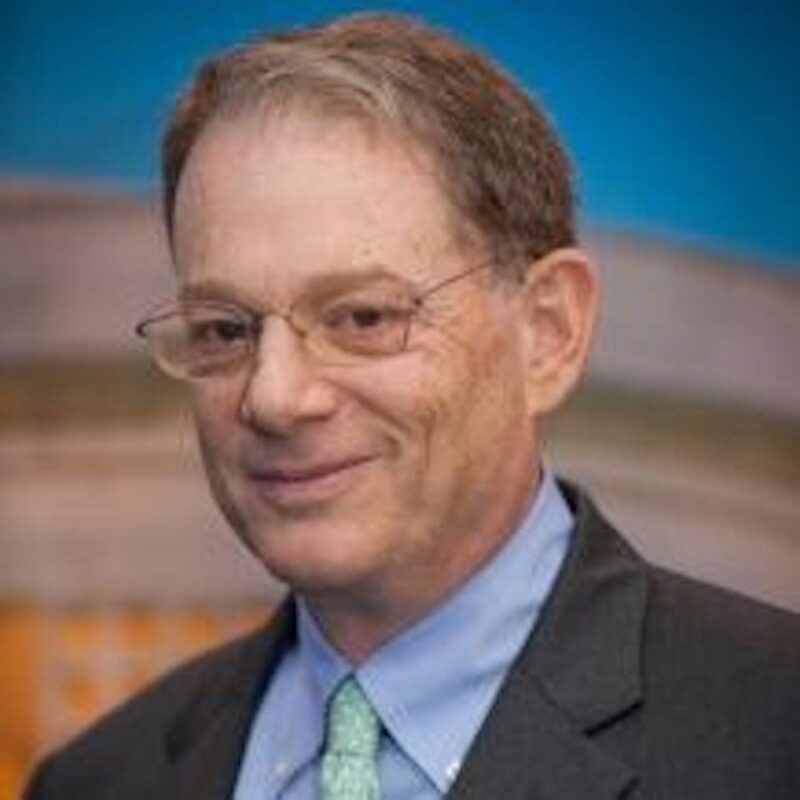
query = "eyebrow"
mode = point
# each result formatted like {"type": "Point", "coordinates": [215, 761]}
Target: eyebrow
{"type": "Point", "coordinates": [212, 289]}
{"type": "Point", "coordinates": [317, 286]}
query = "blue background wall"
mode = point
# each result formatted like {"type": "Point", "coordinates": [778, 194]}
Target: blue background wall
{"type": "Point", "coordinates": [684, 117]}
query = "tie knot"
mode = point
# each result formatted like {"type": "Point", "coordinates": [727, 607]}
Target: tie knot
{"type": "Point", "coordinates": [353, 725]}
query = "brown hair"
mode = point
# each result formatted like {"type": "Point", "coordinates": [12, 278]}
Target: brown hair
{"type": "Point", "coordinates": [500, 162]}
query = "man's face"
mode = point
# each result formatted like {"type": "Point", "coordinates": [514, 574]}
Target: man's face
{"type": "Point", "coordinates": [394, 475]}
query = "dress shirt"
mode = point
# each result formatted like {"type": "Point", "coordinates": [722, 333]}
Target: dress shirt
{"type": "Point", "coordinates": [432, 685]}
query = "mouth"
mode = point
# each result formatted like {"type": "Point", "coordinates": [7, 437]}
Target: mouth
{"type": "Point", "coordinates": [307, 485]}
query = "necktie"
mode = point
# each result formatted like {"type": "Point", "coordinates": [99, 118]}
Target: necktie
{"type": "Point", "coordinates": [349, 764]}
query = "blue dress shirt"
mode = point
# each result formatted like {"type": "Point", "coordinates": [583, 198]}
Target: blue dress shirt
{"type": "Point", "coordinates": [432, 685]}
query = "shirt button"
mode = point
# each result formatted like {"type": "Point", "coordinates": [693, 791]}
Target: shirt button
{"type": "Point", "coordinates": [281, 769]}
{"type": "Point", "coordinates": [452, 770]}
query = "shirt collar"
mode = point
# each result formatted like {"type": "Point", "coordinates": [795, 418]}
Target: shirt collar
{"type": "Point", "coordinates": [434, 683]}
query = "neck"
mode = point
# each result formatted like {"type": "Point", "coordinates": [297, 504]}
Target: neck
{"type": "Point", "coordinates": [356, 621]}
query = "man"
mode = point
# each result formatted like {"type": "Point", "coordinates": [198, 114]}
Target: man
{"type": "Point", "coordinates": [380, 298]}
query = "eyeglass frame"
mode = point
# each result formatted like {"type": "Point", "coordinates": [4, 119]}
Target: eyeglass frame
{"type": "Point", "coordinates": [254, 321]}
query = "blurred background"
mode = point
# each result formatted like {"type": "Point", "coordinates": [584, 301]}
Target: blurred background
{"type": "Point", "coordinates": [683, 119]}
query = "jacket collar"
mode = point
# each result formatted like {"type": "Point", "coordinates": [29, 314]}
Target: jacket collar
{"type": "Point", "coordinates": [579, 672]}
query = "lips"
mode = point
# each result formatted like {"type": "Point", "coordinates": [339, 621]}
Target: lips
{"type": "Point", "coordinates": [306, 484]}
{"type": "Point", "coordinates": [311, 472]}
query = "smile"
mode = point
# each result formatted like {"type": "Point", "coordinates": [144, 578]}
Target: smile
{"type": "Point", "coordinates": [296, 487]}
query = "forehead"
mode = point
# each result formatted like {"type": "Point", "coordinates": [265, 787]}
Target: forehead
{"type": "Point", "coordinates": [271, 204]}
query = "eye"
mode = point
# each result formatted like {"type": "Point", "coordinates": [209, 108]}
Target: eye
{"type": "Point", "coordinates": [366, 326]}
{"type": "Point", "coordinates": [207, 330]}
{"type": "Point", "coordinates": [218, 330]}
{"type": "Point", "coordinates": [364, 316]}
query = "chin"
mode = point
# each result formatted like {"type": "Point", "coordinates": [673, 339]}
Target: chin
{"type": "Point", "coordinates": [313, 556]}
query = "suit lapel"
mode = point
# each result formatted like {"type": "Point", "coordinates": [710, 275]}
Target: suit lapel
{"type": "Point", "coordinates": [206, 742]}
{"type": "Point", "coordinates": [578, 673]}
{"type": "Point", "coordinates": [530, 750]}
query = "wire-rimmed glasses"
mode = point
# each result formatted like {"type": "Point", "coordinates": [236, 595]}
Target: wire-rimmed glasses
{"type": "Point", "coordinates": [196, 339]}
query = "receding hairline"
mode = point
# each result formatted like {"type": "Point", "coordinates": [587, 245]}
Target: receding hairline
{"type": "Point", "coordinates": [377, 131]}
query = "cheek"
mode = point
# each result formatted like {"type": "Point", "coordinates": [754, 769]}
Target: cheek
{"type": "Point", "coordinates": [480, 395]}
{"type": "Point", "coordinates": [445, 400]}
{"type": "Point", "coordinates": [436, 394]}
{"type": "Point", "coordinates": [215, 409]}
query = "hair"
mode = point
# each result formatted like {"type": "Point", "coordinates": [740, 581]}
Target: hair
{"type": "Point", "coordinates": [498, 159]}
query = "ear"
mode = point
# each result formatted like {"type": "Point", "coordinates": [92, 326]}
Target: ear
{"type": "Point", "coordinates": [560, 298]}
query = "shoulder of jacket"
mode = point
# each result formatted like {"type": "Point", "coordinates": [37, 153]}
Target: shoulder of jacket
{"type": "Point", "coordinates": [137, 726]}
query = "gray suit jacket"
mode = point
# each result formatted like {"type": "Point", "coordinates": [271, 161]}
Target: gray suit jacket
{"type": "Point", "coordinates": [636, 683]}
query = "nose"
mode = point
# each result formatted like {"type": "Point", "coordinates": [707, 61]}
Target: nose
{"type": "Point", "coordinates": [284, 388]}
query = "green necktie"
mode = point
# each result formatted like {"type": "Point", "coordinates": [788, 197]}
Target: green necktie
{"type": "Point", "coordinates": [349, 763]}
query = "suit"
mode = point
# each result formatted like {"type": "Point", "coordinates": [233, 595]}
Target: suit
{"type": "Point", "coordinates": [636, 683]}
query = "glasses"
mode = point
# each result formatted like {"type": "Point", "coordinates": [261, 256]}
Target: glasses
{"type": "Point", "coordinates": [196, 339]}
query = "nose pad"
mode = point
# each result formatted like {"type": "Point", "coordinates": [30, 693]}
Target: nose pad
{"type": "Point", "coordinates": [283, 386]}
